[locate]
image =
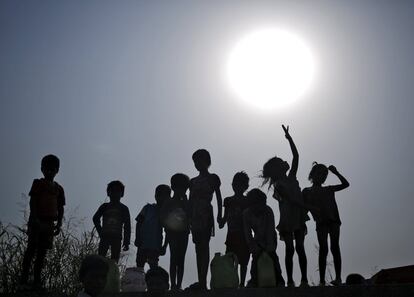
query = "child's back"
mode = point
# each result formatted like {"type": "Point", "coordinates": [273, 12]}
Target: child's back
{"type": "Point", "coordinates": [150, 229]}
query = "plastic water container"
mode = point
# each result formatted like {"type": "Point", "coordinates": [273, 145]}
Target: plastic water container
{"type": "Point", "coordinates": [113, 279]}
{"type": "Point", "coordinates": [266, 276]}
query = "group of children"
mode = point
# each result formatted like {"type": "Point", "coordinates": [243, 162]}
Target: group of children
{"type": "Point", "coordinates": [250, 221]}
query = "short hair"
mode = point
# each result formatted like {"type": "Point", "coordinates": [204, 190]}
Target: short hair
{"type": "Point", "coordinates": [163, 190]}
{"type": "Point", "coordinates": [180, 181]}
{"type": "Point", "coordinates": [242, 179]}
{"type": "Point", "coordinates": [318, 169]}
{"type": "Point", "coordinates": [50, 161]}
{"type": "Point", "coordinates": [116, 184]}
{"type": "Point", "coordinates": [92, 262]}
{"type": "Point", "coordinates": [202, 154]}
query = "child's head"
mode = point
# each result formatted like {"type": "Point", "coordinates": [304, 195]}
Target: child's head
{"type": "Point", "coordinates": [318, 173]}
{"type": "Point", "coordinates": [92, 273]}
{"type": "Point", "coordinates": [202, 159]}
{"type": "Point", "coordinates": [157, 280]}
{"type": "Point", "coordinates": [256, 197]}
{"type": "Point", "coordinates": [180, 183]}
{"type": "Point", "coordinates": [162, 193]}
{"type": "Point", "coordinates": [115, 190]}
{"type": "Point", "coordinates": [274, 169]}
{"type": "Point", "coordinates": [240, 182]}
{"type": "Point", "coordinates": [50, 166]}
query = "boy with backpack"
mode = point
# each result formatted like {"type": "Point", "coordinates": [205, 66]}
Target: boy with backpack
{"type": "Point", "coordinates": [148, 230]}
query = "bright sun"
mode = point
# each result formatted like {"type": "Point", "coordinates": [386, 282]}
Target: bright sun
{"type": "Point", "coordinates": [270, 68]}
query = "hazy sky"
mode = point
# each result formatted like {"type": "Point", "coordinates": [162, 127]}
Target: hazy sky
{"type": "Point", "coordinates": [130, 89]}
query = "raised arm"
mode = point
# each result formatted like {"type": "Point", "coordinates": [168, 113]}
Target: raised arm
{"type": "Point", "coordinates": [344, 183]}
{"type": "Point", "coordinates": [295, 160]}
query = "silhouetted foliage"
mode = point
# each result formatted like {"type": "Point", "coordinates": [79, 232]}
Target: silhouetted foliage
{"type": "Point", "coordinates": [60, 273]}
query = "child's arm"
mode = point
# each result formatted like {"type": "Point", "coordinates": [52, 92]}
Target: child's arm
{"type": "Point", "coordinates": [253, 247]}
{"type": "Point", "coordinates": [223, 220]}
{"type": "Point", "coordinates": [295, 160]}
{"type": "Point", "coordinates": [127, 230]}
{"type": "Point", "coordinates": [164, 246]}
{"type": "Point", "coordinates": [140, 220]}
{"type": "Point", "coordinates": [97, 219]}
{"type": "Point", "coordinates": [61, 210]}
{"type": "Point", "coordinates": [219, 199]}
{"type": "Point", "coordinates": [33, 193]}
{"type": "Point", "coordinates": [344, 183]}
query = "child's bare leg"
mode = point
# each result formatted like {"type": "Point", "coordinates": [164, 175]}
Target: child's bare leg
{"type": "Point", "coordinates": [173, 270]}
{"type": "Point", "coordinates": [323, 252]}
{"type": "Point", "coordinates": [38, 266]}
{"type": "Point", "coordinates": [336, 251]}
{"type": "Point", "coordinates": [300, 250]}
{"type": "Point", "coordinates": [181, 261]}
{"type": "Point", "coordinates": [290, 251]}
{"type": "Point", "coordinates": [243, 272]}
{"type": "Point", "coordinates": [27, 260]}
{"type": "Point", "coordinates": [103, 247]}
{"type": "Point", "coordinates": [203, 259]}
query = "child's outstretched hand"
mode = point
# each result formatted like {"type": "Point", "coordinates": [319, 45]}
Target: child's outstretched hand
{"type": "Point", "coordinates": [332, 169]}
{"type": "Point", "coordinates": [286, 130]}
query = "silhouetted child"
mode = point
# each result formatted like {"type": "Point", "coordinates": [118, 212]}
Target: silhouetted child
{"type": "Point", "coordinates": [176, 214]}
{"type": "Point", "coordinates": [233, 216]}
{"type": "Point", "coordinates": [202, 188]}
{"type": "Point", "coordinates": [148, 237]}
{"type": "Point", "coordinates": [259, 219]}
{"type": "Point", "coordinates": [292, 226]}
{"type": "Point", "coordinates": [47, 200]}
{"type": "Point", "coordinates": [115, 221]}
{"type": "Point", "coordinates": [92, 274]}
{"type": "Point", "coordinates": [327, 218]}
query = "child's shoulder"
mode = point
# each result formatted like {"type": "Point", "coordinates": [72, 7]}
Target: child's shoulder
{"type": "Point", "coordinates": [214, 179]}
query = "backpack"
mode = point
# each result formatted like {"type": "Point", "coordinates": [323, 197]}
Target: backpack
{"type": "Point", "coordinates": [224, 272]}
{"type": "Point", "coordinates": [266, 276]}
{"type": "Point", "coordinates": [133, 280]}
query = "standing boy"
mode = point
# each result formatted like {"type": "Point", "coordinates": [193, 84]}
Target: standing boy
{"type": "Point", "coordinates": [202, 189]}
{"type": "Point", "coordinates": [115, 219]}
{"type": "Point", "coordinates": [47, 200]}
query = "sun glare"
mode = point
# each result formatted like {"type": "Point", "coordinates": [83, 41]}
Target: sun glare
{"type": "Point", "coordinates": [270, 68]}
